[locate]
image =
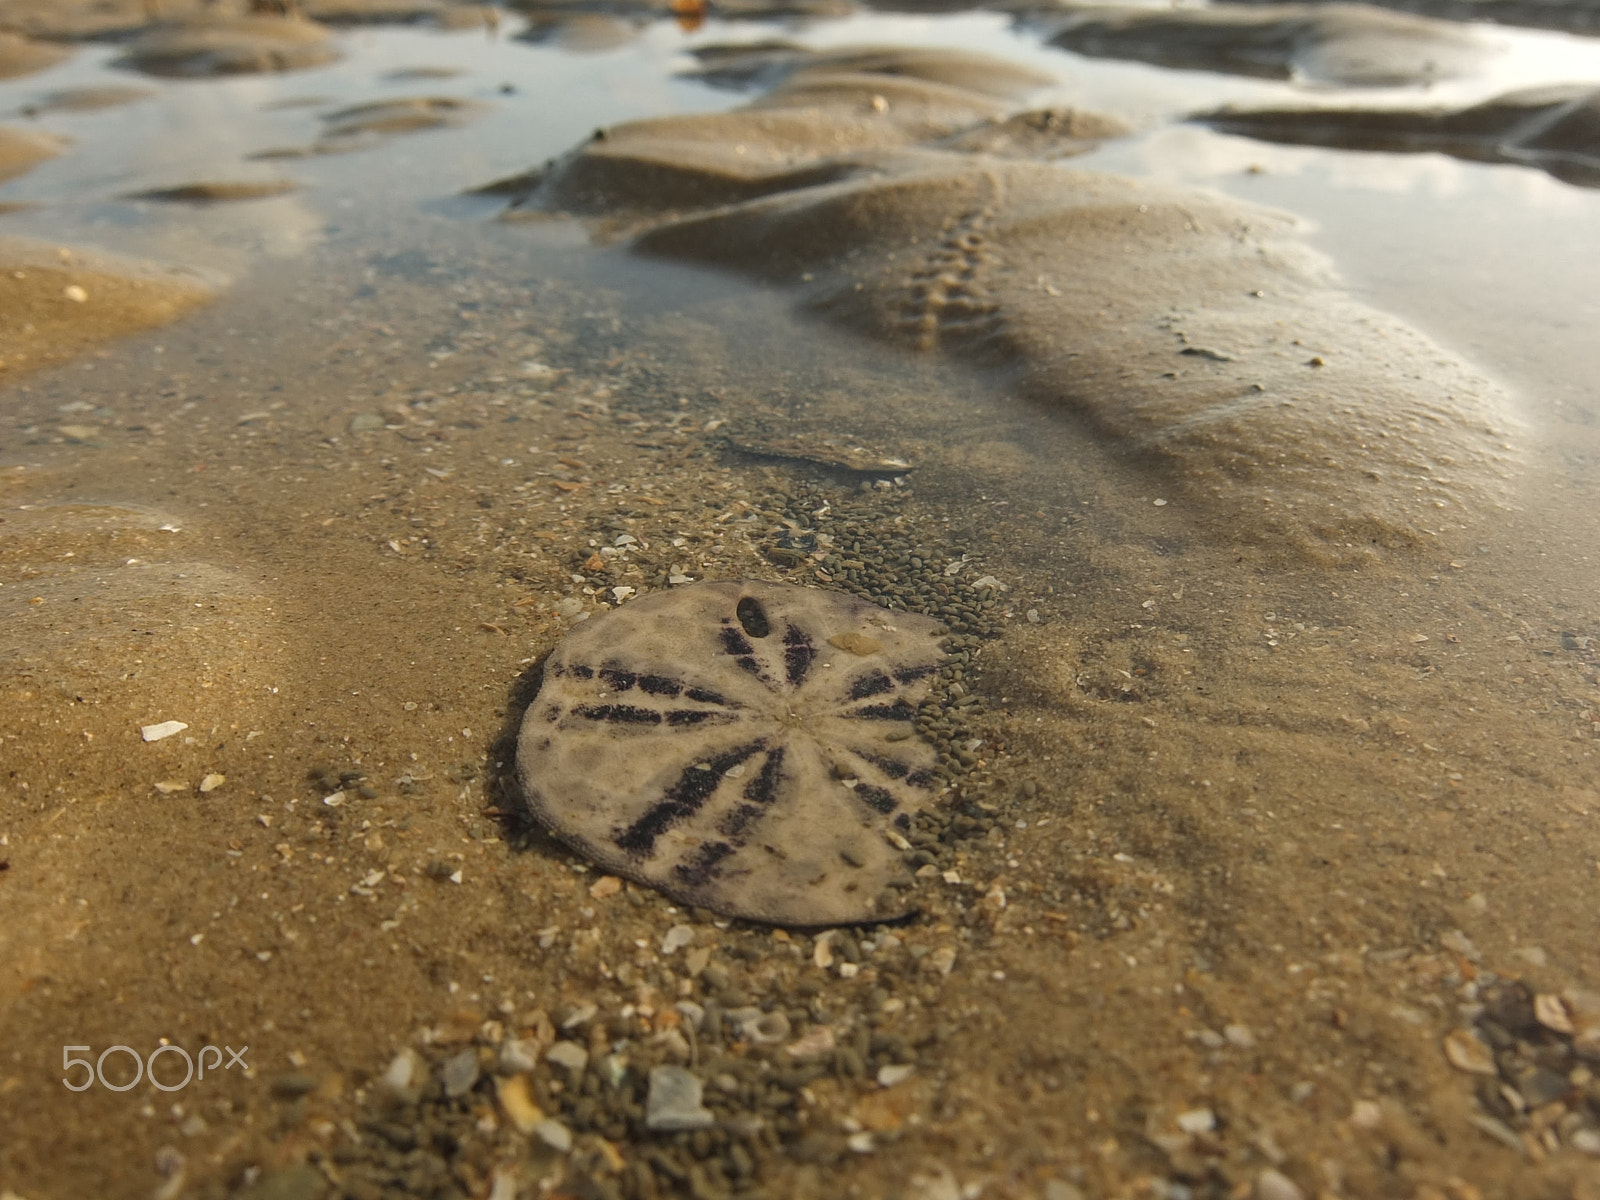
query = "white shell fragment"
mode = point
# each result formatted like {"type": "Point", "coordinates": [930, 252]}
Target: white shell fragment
{"type": "Point", "coordinates": [163, 729]}
{"type": "Point", "coordinates": [730, 744]}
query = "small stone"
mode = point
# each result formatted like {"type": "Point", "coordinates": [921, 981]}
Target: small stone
{"type": "Point", "coordinates": [895, 1073]}
{"type": "Point", "coordinates": [1275, 1185]}
{"type": "Point", "coordinates": [817, 1041]}
{"type": "Point", "coordinates": [674, 1102]}
{"type": "Point", "coordinates": [459, 1073]}
{"type": "Point", "coordinates": [75, 293]}
{"type": "Point", "coordinates": [288, 1087]}
{"type": "Point", "coordinates": [606, 885]}
{"type": "Point", "coordinates": [759, 1027]}
{"type": "Point", "coordinates": [212, 782]}
{"type": "Point", "coordinates": [1461, 944]}
{"type": "Point", "coordinates": [554, 1134]}
{"type": "Point", "coordinates": [676, 938]}
{"type": "Point", "coordinates": [162, 729]}
{"type": "Point", "coordinates": [1365, 1114]}
{"type": "Point", "coordinates": [1552, 1013]}
{"type": "Point", "coordinates": [518, 1056]}
{"type": "Point", "coordinates": [517, 1103]}
{"type": "Point", "coordinates": [569, 1055]}
{"type": "Point", "coordinates": [1239, 1035]}
{"type": "Point", "coordinates": [579, 1015]}
{"type": "Point", "coordinates": [943, 959]}
{"type": "Point", "coordinates": [405, 1073]}
{"type": "Point", "coordinates": [1197, 1120]}
{"type": "Point", "coordinates": [366, 422]}
{"type": "Point", "coordinates": [1585, 1141]}
{"type": "Point", "coordinates": [1539, 1087]}
{"type": "Point", "coordinates": [822, 949]}
{"type": "Point", "coordinates": [171, 787]}
{"type": "Point", "coordinates": [1467, 1053]}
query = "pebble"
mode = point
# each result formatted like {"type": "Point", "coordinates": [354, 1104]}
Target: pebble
{"type": "Point", "coordinates": [1275, 1185]}
{"type": "Point", "coordinates": [674, 1102]}
{"type": "Point", "coordinates": [676, 938]}
{"type": "Point", "coordinates": [759, 1027]}
{"type": "Point", "coordinates": [895, 1073]}
{"type": "Point", "coordinates": [518, 1056]}
{"type": "Point", "coordinates": [554, 1134]}
{"type": "Point", "coordinates": [162, 729]}
{"type": "Point", "coordinates": [405, 1073]}
{"type": "Point", "coordinates": [1467, 1053]}
{"type": "Point", "coordinates": [212, 782]}
{"type": "Point", "coordinates": [459, 1073]}
{"type": "Point", "coordinates": [569, 1055]}
{"type": "Point", "coordinates": [517, 1103]}
{"type": "Point", "coordinates": [1550, 1012]}
{"type": "Point", "coordinates": [1197, 1120]}
{"type": "Point", "coordinates": [943, 959]}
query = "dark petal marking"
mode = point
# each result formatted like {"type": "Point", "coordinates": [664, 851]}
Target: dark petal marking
{"type": "Point", "coordinates": [871, 685]}
{"type": "Point", "coordinates": [737, 821]}
{"type": "Point", "coordinates": [749, 663]}
{"type": "Point", "coordinates": [900, 710]}
{"type": "Point", "coordinates": [911, 674]}
{"type": "Point", "coordinates": [752, 617]}
{"type": "Point", "coordinates": [735, 642]}
{"type": "Point", "coordinates": [691, 716]}
{"type": "Point", "coordinates": [707, 697]}
{"type": "Point", "coordinates": [579, 671]}
{"type": "Point", "coordinates": [763, 789]}
{"type": "Point", "coordinates": [697, 871]}
{"type": "Point", "coordinates": [617, 679]}
{"type": "Point", "coordinates": [797, 655]}
{"type": "Point", "coordinates": [627, 714]}
{"type": "Point", "coordinates": [681, 801]}
{"type": "Point", "coordinates": [922, 779]}
{"type": "Point", "coordinates": [660, 685]}
{"type": "Point", "coordinates": [891, 768]}
{"type": "Point", "coordinates": [877, 798]}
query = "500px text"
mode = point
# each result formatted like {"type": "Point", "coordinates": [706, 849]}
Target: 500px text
{"type": "Point", "coordinates": [95, 1069]}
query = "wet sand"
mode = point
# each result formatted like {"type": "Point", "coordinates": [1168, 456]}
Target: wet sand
{"type": "Point", "coordinates": [1243, 838]}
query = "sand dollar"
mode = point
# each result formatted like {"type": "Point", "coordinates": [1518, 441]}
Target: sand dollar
{"type": "Point", "coordinates": [743, 746]}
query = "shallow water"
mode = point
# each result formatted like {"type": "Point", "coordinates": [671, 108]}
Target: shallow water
{"type": "Point", "coordinates": [1259, 827]}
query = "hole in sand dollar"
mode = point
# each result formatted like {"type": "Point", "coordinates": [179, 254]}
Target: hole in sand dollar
{"type": "Point", "coordinates": [715, 743]}
{"type": "Point", "coordinates": [752, 618]}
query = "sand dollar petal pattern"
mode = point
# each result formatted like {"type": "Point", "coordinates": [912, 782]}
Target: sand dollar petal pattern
{"type": "Point", "coordinates": [743, 746]}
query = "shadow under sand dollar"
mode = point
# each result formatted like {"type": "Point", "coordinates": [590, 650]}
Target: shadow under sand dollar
{"type": "Point", "coordinates": [1194, 334]}
{"type": "Point", "coordinates": [55, 303]}
{"type": "Point", "coordinates": [1348, 45]}
{"type": "Point", "coordinates": [1556, 129]}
